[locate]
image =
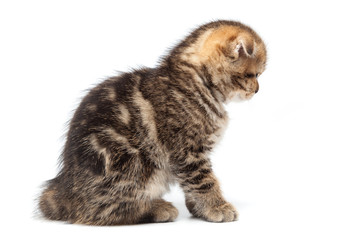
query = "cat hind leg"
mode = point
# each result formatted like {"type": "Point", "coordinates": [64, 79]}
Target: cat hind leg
{"type": "Point", "coordinates": [127, 213]}
{"type": "Point", "coordinates": [53, 205]}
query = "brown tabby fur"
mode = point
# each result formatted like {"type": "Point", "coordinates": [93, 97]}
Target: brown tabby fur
{"type": "Point", "coordinates": [136, 133]}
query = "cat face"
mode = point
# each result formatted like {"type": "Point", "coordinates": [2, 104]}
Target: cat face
{"type": "Point", "coordinates": [245, 71]}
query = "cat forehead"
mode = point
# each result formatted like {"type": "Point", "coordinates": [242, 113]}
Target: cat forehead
{"type": "Point", "coordinates": [253, 66]}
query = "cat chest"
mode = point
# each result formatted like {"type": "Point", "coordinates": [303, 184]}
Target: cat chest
{"type": "Point", "coordinates": [220, 126]}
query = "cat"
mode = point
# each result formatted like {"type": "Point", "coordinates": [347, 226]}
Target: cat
{"type": "Point", "coordinates": [135, 134]}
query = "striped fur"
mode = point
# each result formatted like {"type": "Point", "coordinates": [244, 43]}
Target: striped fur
{"type": "Point", "coordinates": [136, 133]}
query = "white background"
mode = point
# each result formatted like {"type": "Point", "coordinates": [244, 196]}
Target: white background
{"type": "Point", "coordinates": [290, 159]}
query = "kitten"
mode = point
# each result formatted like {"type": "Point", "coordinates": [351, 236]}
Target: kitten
{"type": "Point", "coordinates": [136, 133]}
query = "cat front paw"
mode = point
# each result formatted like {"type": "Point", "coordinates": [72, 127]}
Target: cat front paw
{"type": "Point", "coordinates": [222, 213]}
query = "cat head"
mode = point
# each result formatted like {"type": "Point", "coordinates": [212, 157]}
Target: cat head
{"type": "Point", "coordinates": [231, 53]}
{"type": "Point", "coordinates": [237, 57]}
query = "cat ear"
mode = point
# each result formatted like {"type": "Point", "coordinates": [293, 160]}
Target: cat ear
{"type": "Point", "coordinates": [243, 47]}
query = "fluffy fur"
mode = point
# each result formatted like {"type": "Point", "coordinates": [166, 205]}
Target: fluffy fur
{"type": "Point", "coordinates": [136, 133]}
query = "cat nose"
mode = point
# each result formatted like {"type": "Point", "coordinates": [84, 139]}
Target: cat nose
{"type": "Point", "coordinates": [257, 88]}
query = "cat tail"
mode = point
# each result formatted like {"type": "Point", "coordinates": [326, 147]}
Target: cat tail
{"type": "Point", "coordinates": [52, 203]}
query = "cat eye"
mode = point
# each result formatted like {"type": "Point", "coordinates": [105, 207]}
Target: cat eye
{"type": "Point", "coordinates": [249, 75]}
{"type": "Point", "coordinates": [257, 75]}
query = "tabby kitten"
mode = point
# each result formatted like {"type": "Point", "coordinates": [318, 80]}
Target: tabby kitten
{"type": "Point", "coordinates": [136, 133]}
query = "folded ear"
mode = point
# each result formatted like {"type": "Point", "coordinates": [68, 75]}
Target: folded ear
{"type": "Point", "coordinates": [241, 47]}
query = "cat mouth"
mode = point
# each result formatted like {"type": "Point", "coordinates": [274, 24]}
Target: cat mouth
{"type": "Point", "coordinates": [249, 94]}
{"type": "Point", "coordinates": [246, 94]}
{"type": "Point", "coordinates": [241, 96]}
